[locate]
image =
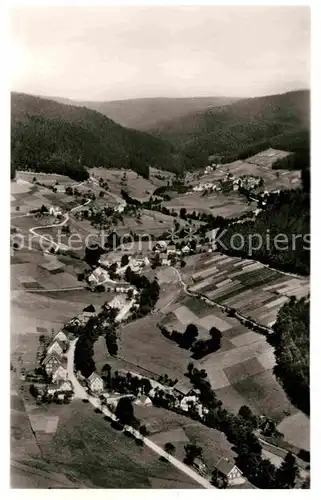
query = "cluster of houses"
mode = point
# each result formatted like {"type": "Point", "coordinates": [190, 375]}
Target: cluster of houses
{"type": "Point", "coordinates": [167, 252]}
{"type": "Point", "coordinates": [55, 367]}
{"type": "Point", "coordinates": [230, 183]}
{"type": "Point", "coordinates": [186, 397]}
{"type": "Point", "coordinates": [55, 211]}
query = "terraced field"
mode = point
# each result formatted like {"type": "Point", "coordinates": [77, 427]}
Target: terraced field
{"type": "Point", "coordinates": [250, 287]}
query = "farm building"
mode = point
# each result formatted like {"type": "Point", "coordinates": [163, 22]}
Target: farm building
{"type": "Point", "coordinates": [95, 383]}
{"type": "Point", "coordinates": [62, 335]}
{"type": "Point", "coordinates": [60, 372]}
{"type": "Point", "coordinates": [60, 386]}
{"type": "Point", "coordinates": [183, 388]}
{"type": "Point", "coordinates": [52, 362]}
{"type": "Point", "coordinates": [57, 346]}
{"type": "Point", "coordinates": [53, 266]}
{"type": "Point", "coordinates": [161, 246]}
{"type": "Point", "coordinates": [229, 471]}
{"type": "Point", "coordinates": [199, 464]}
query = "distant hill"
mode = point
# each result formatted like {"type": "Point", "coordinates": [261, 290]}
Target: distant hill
{"type": "Point", "coordinates": [51, 136]}
{"type": "Point", "coordinates": [146, 114]}
{"type": "Point", "coordinates": [241, 129]}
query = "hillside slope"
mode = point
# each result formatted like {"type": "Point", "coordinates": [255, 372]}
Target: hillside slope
{"type": "Point", "coordinates": [242, 128]}
{"type": "Point", "coordinates": [46, 134]}
{"type": "Point", "coordinates": [146, 114]}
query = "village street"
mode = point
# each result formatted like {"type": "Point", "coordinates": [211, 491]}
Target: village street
{"type": "Point", "coordinates": [81, 393]}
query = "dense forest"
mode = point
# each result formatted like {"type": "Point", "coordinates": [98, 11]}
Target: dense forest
{"type": "Point", "coordinates": [243, 129]}
{"type": "Point", "coordinates": [279, 236]}
{"type": "Point", "coordinates": [291, 347]}
{"type": "Point", "coordinates": [49, 137]}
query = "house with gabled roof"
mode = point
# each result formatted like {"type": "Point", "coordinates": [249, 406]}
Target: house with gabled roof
{"type": "Point", "coordinates": [62, 335]}
{"type": "Point", "coordinates": [95, 382]}
{"type": "Point", "coordinates": [51, 362]}
{"type": "Point", "coordinates": [183, 388]}
{"type": "Point", "coordinates": [60, 372]}
{"type": "Point", "coordinates": [57, 346]}
{"type": "Point", "coordinates": [229, 471]}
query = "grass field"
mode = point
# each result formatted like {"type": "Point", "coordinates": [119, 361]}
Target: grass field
{"type": "Point", "coordinates": [137, 187]}
{"type": "Point", "coordinates": [87, 448]}
{"type": "Point", "coordinates": [217, 204]}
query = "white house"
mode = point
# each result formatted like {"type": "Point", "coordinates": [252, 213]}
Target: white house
{"type": "Point", "coordinates": [95, 383]}
{"type": "Point", "coordinates": [55, 211]}
{"type": "Point", "coordinates": [61, 336]}
{"type": "Point", "coordinates": [161, 246]}
{"type": "Point", "coordinates": [60, 372]}
{"type": "Point", "coordinates": [186, 249]}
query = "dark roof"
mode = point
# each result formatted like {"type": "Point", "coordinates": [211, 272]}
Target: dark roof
{"type": "Point", "coordinates": [94, 376]}
{"type": "Point", "coordinates": [183, 387]}
{"type": "Point", "coordinates": [225, 466]}
{"type": "Point", "coordinates": [52, 355]}
{"type": "Point", "coordinates": [90, 308]}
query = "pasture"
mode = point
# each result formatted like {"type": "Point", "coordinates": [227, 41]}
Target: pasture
{"type": "Point", "coordinates": [218, 204]}
{"type": "Point", "coordinates": [137, 186]}
{"type": "Point", "coordinates": [148, 222]}
{"type": "Point", "coordinates": [87, 448]}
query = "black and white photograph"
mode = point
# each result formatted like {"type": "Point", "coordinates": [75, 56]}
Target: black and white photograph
{"type": "Point", "coordinates": [159, 246]}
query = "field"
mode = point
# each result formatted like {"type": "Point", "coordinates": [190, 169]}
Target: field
{"type": "Point", "coordinates": [217, 204]}
{"type": "Point", "coordinates": [248, 286]}
{"type": "Point", "coordinates": [149, 222]}
{"type": "Point", "coordinates": [137, 186]}
{"type": "Point", "coordinates": [87, 449]}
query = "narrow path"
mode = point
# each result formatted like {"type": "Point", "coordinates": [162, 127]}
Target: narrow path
{"type": "Point", "coordinates": [33, 230]}
{"type": "Point", "coordinates": [43, 290]}
{"type": "Point", "coordinates": [81, 393]}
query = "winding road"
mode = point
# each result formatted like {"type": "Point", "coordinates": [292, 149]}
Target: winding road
{"type": "Point", "coordinates": [56, 246]}
{"type": "Point", "coordinates": [81, 393]}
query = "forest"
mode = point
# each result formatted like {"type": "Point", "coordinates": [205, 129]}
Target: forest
{"type": "Point", "coordinates": [283, 228]}
{"type": "Point", "coordinates": [291, 341]}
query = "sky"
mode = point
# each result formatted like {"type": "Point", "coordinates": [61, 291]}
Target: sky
{"type": "Point", "coordinates": [109, 53]}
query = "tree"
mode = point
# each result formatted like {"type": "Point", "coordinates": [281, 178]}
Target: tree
{"type": "Point", "coordinates": [124, 261]}
{"type": "Point", "coordinates": [192, 451]}
{"type": "Point", "coordinates": [287, 473]}
{"type": "Point", "coordinates": [183, 263]}
{"type": "Point", "coordinates": [145, 385]}
{"type": "Point", "coordinates": [125, 411]}
{"type": "Point", "coordinates": [106, 374]}
{"type": "Point", "coordinates": [190, 368]}
{"type": "Point", "coordinates": [189, 336]}
{"type": "Point", "coordinates": [169, 448]}
{"type": "Point", "coordinates": [216, 337]}
{"type": "Point", "coordinates": [219, 479]}
{"type": "Point", "coordinates": [143, 430]}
